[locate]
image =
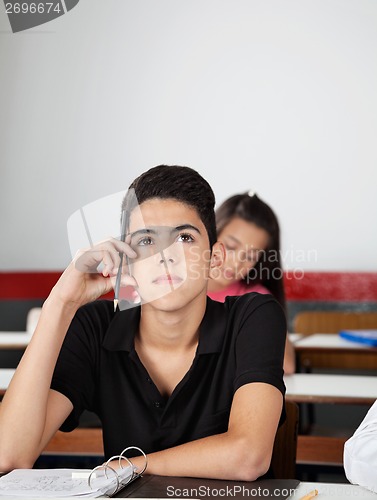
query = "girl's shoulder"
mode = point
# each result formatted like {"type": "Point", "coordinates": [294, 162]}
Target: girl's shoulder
{"type": "Point", "coordinates": [241, 288]}
{"type": "Point", "coordinates": [237, 289]}
{"type": "Point", "coordinates": [256, 288]}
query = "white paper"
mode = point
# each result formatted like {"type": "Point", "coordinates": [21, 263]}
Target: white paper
{"type": "Point", "coordinates": [59, 483]}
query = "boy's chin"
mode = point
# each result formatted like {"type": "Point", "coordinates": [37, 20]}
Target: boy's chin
{"type": "Point", "coordinates": [156, 299]}
{"type": "Point", "coordinates": [171, 301]}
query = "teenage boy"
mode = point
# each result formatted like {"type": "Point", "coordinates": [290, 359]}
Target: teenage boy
{"type": "Point", "coordinates": [198, 385]}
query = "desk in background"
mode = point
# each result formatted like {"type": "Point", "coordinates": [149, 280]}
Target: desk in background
{"type": "Point", "coordinates": [12, 347]}
{"type": "Point", "coordinates": [329, 341]}
{"type": "Point", "coordinates": [20, 340]}
{"type": "Point", "coordinates": [321, 389]}
{"type": "Point", "coordinates": [14, 340]}
{"type": "Point", "coordinates": [328, 388]}
{"type": "Point", "coordinates": [6, 375]}
{"type": "Point", "coordinates": [327, 350]}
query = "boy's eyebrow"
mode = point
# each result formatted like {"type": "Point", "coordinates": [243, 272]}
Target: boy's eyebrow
{"type": "Point", "coordinates": [187, 226]}
{"type": "Point", "coordinates": [145, 230]}
{"type": "Point", "coordinates": [182, 227]}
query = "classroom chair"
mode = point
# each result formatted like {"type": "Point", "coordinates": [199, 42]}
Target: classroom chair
{"type": "Point", "coordinates": [283, 461]}
{"type": "Point", "coordinates": [309, 322]}
{"type": "Point", "coordinates": [81, 441]}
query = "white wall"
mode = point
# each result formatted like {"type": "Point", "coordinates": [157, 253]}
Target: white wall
{"type": "Point", "coordinates": [279, 96]}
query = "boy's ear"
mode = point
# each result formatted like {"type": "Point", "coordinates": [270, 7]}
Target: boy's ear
{"type": "Point", "coordinates": [217, 258]}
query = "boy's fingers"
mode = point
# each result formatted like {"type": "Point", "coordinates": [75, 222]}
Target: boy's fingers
{"type": "Point", "coordinates": [123, 246]}
{"type": "Point", "coordinates": [125, 280]}
{"type": "Point", "coordinates": [107, 253]}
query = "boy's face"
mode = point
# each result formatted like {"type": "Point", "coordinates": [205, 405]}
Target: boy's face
{"type": "Point", "coordinates": [173, 252]}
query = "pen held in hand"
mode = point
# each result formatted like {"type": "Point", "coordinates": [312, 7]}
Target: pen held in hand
{"type": "Point", "coordinates": [119, 273]}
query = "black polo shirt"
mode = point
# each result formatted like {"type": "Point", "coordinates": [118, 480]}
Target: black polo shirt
{"type": "Point", "coordinates": [240, 341]}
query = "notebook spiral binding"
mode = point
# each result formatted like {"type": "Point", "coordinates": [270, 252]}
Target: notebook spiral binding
{"type": "Point", "coordinates": [120, 483]}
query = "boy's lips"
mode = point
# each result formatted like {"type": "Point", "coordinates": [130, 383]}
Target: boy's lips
{"type": "Point", "coordinates": [167, 279]}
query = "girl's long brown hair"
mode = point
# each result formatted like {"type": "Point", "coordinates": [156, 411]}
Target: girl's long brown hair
{"type": "Point", "coordinates": [268, 270]}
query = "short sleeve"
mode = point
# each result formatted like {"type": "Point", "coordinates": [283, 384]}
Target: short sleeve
{"type": "Point", "coordinates": [260, 342]}
{"type": "Point", "coordinates": [75, 370]}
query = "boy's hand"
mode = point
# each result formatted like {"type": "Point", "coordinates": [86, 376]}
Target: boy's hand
{"type": "Point", "coordinates": [82, 282]}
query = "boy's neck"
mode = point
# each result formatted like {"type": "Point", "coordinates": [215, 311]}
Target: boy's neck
{"type": "Point", "coordinates": [172, 330]}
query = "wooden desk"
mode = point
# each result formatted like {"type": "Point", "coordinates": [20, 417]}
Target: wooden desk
{"type": "Point", "coordinates": [5, 377]}
{"type": "Point", "coordinates": [330, 341]}
{"type": "Point", "coordinates": [14, 340]}
{"type": "Point", "coordinates": [326, 388]}
{"type": "Point", "coordinates": [157, 487]}
{"type": "Point", "coordinates": [331, 351]}
{"type": "Point", "coordinates": [295, 337]}
{"type": "Point", "coordinates": [152, 486]}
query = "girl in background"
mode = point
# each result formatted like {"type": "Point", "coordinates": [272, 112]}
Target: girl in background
{"type": "Point", "coordinates": [250, 233]}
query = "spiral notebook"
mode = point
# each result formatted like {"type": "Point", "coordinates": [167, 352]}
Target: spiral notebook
{"type": "Point", "coordinates": [106, 479]}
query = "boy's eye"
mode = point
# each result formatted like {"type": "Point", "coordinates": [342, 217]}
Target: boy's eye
{"type": "Point", "coordinates": [147, 240]}
{"type": "Point", "coordinates": [185, 237]}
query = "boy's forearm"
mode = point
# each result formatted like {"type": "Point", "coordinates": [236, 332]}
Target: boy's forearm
{"type": "Point", "coordinates": [221, 456]}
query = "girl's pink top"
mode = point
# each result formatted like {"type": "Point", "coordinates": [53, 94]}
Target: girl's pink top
{"type": "Point", "coordinates": [238, 288]}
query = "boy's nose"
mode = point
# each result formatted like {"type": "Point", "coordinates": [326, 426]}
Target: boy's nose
{"type": "Point", "coordinates": [168, 255]}
{"type": "Point", "coordinates": [165, 258]}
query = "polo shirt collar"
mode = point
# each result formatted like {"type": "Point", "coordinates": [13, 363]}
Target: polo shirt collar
{"type": "Point", "coordinates": [125, 324]}
{"type": "Point", "coordinates": [121, 331]}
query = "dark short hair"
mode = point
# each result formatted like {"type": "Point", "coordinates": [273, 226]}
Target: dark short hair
{"type": "Point", "coordinates": [251, 208]}
{"type": "Point", "coordinates": [179, 183]}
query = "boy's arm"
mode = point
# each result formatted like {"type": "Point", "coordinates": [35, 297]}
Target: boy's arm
{"type": "Point", "coordinates": [242, 453]}
{"type": "Point", "coordinates": [31, 412]}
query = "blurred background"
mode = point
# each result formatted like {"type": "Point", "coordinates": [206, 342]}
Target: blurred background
{"type": "Point", "coordinates": [278, 97]}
